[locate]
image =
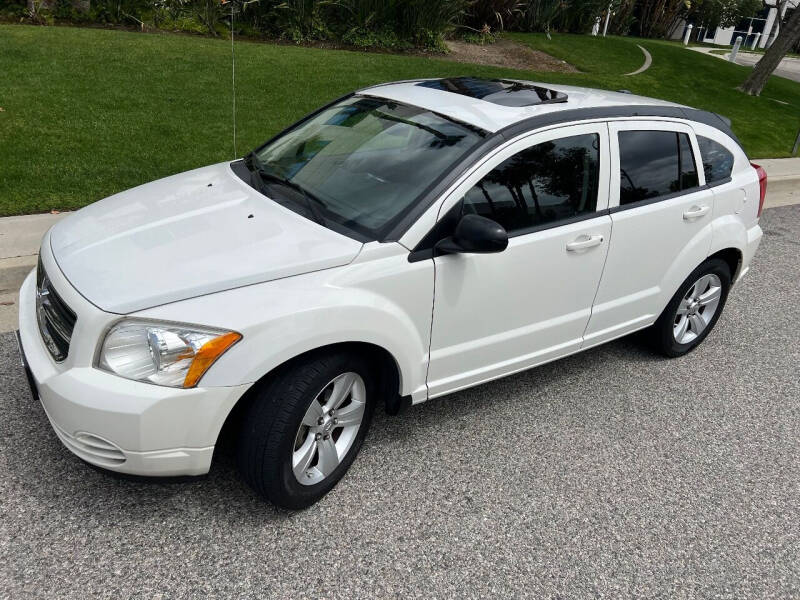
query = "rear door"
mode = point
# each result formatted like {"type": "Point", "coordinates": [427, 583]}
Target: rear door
{"type": "Point", "coordinates": [661, 214]}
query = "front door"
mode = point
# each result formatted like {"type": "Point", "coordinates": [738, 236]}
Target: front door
{"type": "Point", "coordinates": [495, 314]}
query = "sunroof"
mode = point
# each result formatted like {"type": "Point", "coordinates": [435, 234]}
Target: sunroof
{"type": "Point", "coordinates": [497, 91]}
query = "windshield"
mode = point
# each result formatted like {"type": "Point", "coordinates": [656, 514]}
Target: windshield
{"type": "Point", "coordinates": [364, 161]}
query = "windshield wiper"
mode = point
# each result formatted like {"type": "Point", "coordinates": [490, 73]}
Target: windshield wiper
{"type": "Point", "coordinates": [312, 203]}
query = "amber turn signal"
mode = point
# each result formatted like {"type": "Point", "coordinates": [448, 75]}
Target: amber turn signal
{"type": "Point", "coordinates": [207, 354]}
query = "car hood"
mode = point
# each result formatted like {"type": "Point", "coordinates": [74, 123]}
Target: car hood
{"type": "Point", "coordinates": [191, 234]}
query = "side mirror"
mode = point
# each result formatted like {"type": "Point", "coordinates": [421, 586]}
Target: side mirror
{"type": "Point", "coordinates": [475, 235]}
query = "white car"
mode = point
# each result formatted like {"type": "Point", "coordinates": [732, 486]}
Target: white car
{"type": "Point", "coordinates": [404, 242]}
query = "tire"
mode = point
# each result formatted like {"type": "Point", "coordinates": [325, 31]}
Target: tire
{"type": "Point", "coordinates": [665, 335]}
{"type": "Point", "coordinates": [276, 434]}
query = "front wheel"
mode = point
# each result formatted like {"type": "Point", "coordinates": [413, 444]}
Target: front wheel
{"type": "Point", "coordinates": [694, 309]}
{"type": "Point", "coordinates": [305, 427]}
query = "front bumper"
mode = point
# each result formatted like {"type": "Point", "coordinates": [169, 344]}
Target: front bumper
{"type": "Point", "coordinates": [111, 422]}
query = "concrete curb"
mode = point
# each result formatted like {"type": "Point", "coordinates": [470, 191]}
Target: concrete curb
{"type": "Point", "coordinates": [648, 60]}
{"type": "Point", "coordinates": [21, 236]}
{"type": "Point", "coordinates": [783, 180]}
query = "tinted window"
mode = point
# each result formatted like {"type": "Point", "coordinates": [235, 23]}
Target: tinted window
{"type": "Point", "coordinates": [497, 91]}
{"type": "Point", "coordinates": [654, 163]}
{"type": "Point", "coordinates": [717, 160]}
{"type": "Point", "coordinates": [364, 162]}
{"type": "Point", "coordinates": [545, 183]}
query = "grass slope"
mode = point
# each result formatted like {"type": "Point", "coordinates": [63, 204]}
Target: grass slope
{"type": "Point", "coordinates": [88, 112]}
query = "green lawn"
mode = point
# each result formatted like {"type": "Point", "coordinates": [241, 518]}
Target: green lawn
{"type": "Point", "coordinates": [89, 112]}
{"type": "Point", "coordinates": [765, 125]}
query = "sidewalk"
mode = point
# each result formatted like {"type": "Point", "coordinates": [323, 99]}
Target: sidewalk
{"type": "Point", "coordinates": [783, 180]}
{"type": "Point", "coordinates": [20, 237]}
{"type": "Point", "coordinates": [789, 67]}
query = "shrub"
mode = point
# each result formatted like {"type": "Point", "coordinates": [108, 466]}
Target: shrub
{"type": "Point", "coordinates": [496, 15]}
{"type": "Point", "coordinates": [426, 22]}
{"type": "Point", "coordinates": [301, 20]}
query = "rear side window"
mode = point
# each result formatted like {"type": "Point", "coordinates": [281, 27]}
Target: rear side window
{"type": "Point", "coordinates": [717, 160]}
{"type": "Point", "coordinates": [654, 164]}
{"type": "Point", "coordinates": [543, 184]}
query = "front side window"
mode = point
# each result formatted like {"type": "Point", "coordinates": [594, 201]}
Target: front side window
{"type": "Point", "coordinates": [362, 162]}
{"type": "Point", "coordinates": [717, 160]}
{"type": "Point", "coordinates": [543, 184]}
{"type": "Point", "coordinates": [654, 164]}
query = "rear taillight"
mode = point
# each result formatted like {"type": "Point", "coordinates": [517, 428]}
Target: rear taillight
{"type": "Point", "coordinates": [762, 184]}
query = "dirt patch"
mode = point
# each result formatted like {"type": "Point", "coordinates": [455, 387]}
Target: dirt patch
{"type": "Point", "coordinates": [505, 53]}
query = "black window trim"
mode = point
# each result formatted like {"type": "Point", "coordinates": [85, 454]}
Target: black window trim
{"type": "Point", "coordinates": [655, 199]}
{"type": "Point", "coordinates": [559, 223]}
{"type": "Point", "coordinates": [698, 166]}
{"type": "Point", "coordinates": [426, 252]}
{"type": "Point", "coordinates": [720, 182]}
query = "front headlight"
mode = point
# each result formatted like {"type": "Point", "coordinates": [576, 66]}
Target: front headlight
{"type": "Point", "coordinates": [162, 353]}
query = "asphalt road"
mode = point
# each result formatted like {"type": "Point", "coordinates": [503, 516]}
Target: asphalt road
{"type": "Point", "coordinates": [612, 473]}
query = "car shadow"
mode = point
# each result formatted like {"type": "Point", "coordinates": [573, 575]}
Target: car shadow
{"type": "Point", "coordinates": [48, 475]}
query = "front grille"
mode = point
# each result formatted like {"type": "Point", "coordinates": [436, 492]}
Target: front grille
{"type": "Point", "coordinates": [56, 320]}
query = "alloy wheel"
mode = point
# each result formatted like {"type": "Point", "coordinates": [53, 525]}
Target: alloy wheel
{"type": "Point", "coordinates": [697, 308]}
{"type": "Point", "coordinates": [329, 428]}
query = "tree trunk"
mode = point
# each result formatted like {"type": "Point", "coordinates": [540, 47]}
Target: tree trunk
{"type": "Point", "coordinates": [788, 37]}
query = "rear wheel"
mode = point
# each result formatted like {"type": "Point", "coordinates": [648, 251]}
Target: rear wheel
{"type": "Point", "coordinates": [304, 428]}
{"type": "Point", "coordinates": [694, 309]}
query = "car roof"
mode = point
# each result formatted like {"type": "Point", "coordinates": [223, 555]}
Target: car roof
{"type": "Point", "coordinates": [457, 99]}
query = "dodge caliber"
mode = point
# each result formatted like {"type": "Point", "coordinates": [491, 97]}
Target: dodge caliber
{"type": "Point", "coordinates": [401, 243]}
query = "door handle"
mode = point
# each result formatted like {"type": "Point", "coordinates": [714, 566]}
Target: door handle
{"type": "Point", "coordinates": [696, 212]}
{"type": "Point", "coordinates": [585, 241]}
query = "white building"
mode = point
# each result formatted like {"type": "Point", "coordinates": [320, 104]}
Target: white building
{"type": "Point", "coordinates": [757, 31]}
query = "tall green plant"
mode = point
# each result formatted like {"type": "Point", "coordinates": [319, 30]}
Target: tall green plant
{"type": "Point", "coordinates": [301, 19]}
{"type": "Point", "coordinates": [657, 18]}
{"type": "Point", "coordinates": [538, 15]}
{"type": "Point", "coordinates": [623, 17]}
{"type": "Point", "coordinates": [580, 16]}
{"type": "Point", "coordinates": [494, 14]}
{"type": "Point", "coordinates": [365, 14]}
{"type": "Point", "coordinates": [427, 21]}
{"type": "Point", "coordinates": [208, 12]}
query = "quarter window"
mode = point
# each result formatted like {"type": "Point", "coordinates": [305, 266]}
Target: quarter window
{"type": "Point", "coordinates": [717, 160]}
{"type": "Point", "coordinates": [654, 164]}
{"type": "Point", "coordinates": [543, 184]}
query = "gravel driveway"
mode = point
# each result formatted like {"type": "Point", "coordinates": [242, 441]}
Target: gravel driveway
{"type": "Point", "coordinates": [612, 473]}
